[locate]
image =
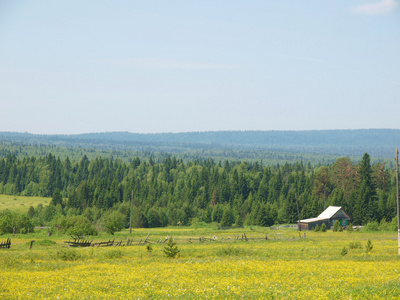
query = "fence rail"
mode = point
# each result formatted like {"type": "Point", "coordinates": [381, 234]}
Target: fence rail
{"type": "Point", "coordinates": [283, 226]}
{"type": "Point", "coordinates": [79, 242]}
{"type": "Point", "coordinates": [6, 244]}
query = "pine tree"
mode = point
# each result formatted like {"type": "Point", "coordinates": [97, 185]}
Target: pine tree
{"type": "Point", "coordinates": [171, 250]}
{"type": "Point", "coordinates": [227, 217]}
{"type": "Point", "coordinates": [367, 200]}
{"type": "Point", "coordinates": [336, 226]}
{"type": "Point", "coordinates": [57, 198]}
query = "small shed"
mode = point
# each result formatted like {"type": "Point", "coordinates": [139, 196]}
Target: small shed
{"type": "Point", "coordinates": [327, 217]}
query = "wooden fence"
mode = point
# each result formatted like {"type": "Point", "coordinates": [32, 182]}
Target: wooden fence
{"type": "Point", "coordinates": [79, 242]}
{"type": "Point", "coordinates": [283, 226]}
{"type": "Point", "coordinates": [6, 244]}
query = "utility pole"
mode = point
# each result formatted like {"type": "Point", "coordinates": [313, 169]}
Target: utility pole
{"type": "Point", "coordinates": [397, 197]}
{"type": "Point", "coordinates": [130, 223]}
{"type": "Point", "coordinates": [298, 214]}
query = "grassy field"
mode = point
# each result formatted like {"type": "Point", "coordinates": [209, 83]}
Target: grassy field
{"type": "Point", "coordinates": [21, 203]}
{"type": "Point", "coordinates": [282, 267]}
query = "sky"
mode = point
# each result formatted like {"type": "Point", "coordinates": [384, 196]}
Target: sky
{"type": "Point", "coordinates": [70, 67]}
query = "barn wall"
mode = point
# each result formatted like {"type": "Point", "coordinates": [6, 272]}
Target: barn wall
{"type": "Point", "coordinates": [312, 225]}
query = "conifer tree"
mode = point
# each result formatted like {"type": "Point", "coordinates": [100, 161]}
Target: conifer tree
{"type": "Point", "coordinates": [171, 250]}
{"type": "Point", "coordinates": [336, 226]}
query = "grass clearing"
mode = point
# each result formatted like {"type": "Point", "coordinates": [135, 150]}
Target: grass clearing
{"type": "Point", "coordinates": [21, 203]}
{"type": "Point", "coordinates": [282, 267]}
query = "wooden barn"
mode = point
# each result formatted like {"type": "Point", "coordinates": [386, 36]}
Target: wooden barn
{"type": "Point", "coordinates": [328, 216]}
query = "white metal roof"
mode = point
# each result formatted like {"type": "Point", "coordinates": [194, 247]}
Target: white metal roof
{"type": "Point", "coordinates": [329, 212]}
{"type": "Point", "coordinates": [326, 214]}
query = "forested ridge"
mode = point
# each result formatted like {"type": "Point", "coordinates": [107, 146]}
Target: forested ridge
{"type": "Point", "coordinates": [174, 191]}
{"type": "Point", "coordinates": [379, 143]}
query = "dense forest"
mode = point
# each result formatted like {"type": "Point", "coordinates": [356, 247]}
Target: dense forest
{"type": "Point", "coordinates": [175, 192]}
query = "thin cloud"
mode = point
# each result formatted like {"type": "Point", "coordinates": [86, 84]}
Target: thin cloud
{"type": "Point", "coordinates": [379, 8]}
{"type": "Point", "coordinates": [152, 63]}
{"type": "Point", "coordinates": [310, 59]}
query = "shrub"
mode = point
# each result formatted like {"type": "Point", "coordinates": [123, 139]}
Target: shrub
{"type": "Point", "coordinates": [323, 227]}
{"type": "Point", "coordinates": [317, 228]}
{"type": "Point", "coordinates": [113, 222]}
{"type": "Point", "coordinates": [368, 246]}
{"type": "Point", "coordinates": [336, 226]}
{"type": "Point", "coordinates": [372, 226]}
{"type": "Point", "coordinates": [10, 220]}
{"type": "Point", "coordinates": [74, 225]}
{"type": "Point", "coordinates": [355, 245]}
{"type": "Point", "coordinates": [68, 254]}
{"type": "Point", "coordinates": [171, 250]}
{"type": "Point", "coordinates": [344, 251]}
{"type": "Point", "coordinates": [149, 248]}
{"type": "Point", "coordinates": [350, 228]}
{"type": "Point", "coordinates": [195, 223]}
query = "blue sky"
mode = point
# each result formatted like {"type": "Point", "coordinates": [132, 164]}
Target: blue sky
{"type": "Point", "coordinates": [70, 67]}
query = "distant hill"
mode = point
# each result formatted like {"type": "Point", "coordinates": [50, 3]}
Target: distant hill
{"type": "Point", "coordinates": [379, 143]}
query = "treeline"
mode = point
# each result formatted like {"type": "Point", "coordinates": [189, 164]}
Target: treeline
{"type": "Point", "coordinates": [159, 153]}
{"type": "Point", "coordinates": [176, 192]}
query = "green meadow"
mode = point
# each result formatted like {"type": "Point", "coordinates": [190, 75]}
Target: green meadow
{"type": "Point", "coordinates": [21, 203]}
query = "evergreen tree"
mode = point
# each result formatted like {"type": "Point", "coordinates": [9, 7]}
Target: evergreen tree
{"type": "Point", "coordinates": [171, 250]}
{"type": "Point", "coordinates": [367, 200]}
{"type": "Point", "coordinates": [227, 217]}
{"type": "Point", "coordinates": [336, 226]}
{"type": "Point", "coordinates": [57, 198]}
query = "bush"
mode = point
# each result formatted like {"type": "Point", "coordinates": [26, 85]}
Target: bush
{"type": "Point", "coordinates": [317, 228]}
{"type": "Point", "coordinates": [10, 220]}
{"type": "Point", "coordinates": [323, 227]}
{"type": "Point", "coordinates": [68, 254]}
{"type": "Point", "coordinates": [355, 245]}
{"type": "Point", "coordinates": [372, 226]}
{"type": "Point", "coordinates": [388, 226]}
{"type": "Point", "coordinates": [149, 249]}
{"type": "Point", "coordinates": [74, 225]}
{"type": "Point", "coordinates": [113, 222]}
{"type": "Point", "coordinates": [393, 224]}
{"type": "Point", "coordinates": [344, 251]}
{"type": "Point", "coordinates": [350, 228]}
{"type": "Point", "coordinates": [195, 223]}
